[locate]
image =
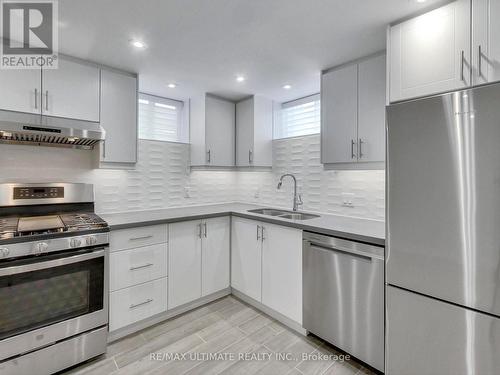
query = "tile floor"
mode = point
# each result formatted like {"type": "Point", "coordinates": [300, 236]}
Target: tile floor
{"type": "Point", "coordinates": [240, 339]}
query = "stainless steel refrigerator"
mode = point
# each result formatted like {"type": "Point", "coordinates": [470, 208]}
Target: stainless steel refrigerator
{"type": "Point", "coordinates": [443, 244]}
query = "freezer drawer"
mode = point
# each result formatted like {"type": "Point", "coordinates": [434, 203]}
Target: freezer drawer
{"type": "Point", "coordinates": [343, 295]}
{"type": "Point", "coordinates": [427, 337]}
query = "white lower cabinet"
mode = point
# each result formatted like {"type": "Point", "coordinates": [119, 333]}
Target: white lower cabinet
{"type": "Point", "coordinates": [184, 262]}
{"type": "Point", "coordinates": [246, 257]}
{"type": "Point", "coordinates": [266, 265]}
{"type": "Point", "coordinates": [215, 255]}
{"type": "Point", "coordinates": [282, 270]}
{"type": "Point", "coordinates": [139, 302]}
{"type": "Point", "coordinates": [198, 259]}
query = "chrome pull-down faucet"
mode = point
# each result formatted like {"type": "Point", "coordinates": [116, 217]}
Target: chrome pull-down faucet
{"type": "Point", "coordinates": [297, 199]}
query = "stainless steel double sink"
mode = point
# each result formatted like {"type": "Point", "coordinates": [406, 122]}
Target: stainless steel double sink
{"type": "Point", "coordinates": [283, 214]}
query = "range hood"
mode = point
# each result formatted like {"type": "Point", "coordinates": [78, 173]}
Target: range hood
{"type": "Point", "coordinates": [38, 130]}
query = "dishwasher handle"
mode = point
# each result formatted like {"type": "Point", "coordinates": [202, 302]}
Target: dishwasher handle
{"type": "Point", "coordinates": [353, 253]}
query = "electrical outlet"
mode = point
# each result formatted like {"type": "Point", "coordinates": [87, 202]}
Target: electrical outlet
{"type": "Point", "coordinates": [257, 194]}
{"type": "Point", "coordinates": [187, 192]}
{"type": "Point", "coordinates": [347, 199]}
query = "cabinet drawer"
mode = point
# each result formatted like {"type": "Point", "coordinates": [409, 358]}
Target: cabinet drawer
{"type": "Point", "coordinates": [142, 236]}
{"type": "Point", "coordinates": [139, 302]}
{"type": "Point", "coordinates": [137, 266]}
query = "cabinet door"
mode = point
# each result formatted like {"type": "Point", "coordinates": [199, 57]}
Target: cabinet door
{"type": "Point", "coordinates": [339, 115]}
{"type": "Point", "coordinates": [282, 270]}
{"type": "Point", "coordinates": [215, 255]}
{"type": "Point", "coordinates": [246, 257]}
{"type": "Point", "coordinates": [20, 90]}
{"type": "Point", "coordinates": [119, 117]}
{"type": "Point", "coordinates": [262, 155]}
{"type": "Point", "coordinates": [71, 91]}
{"type": "Point", "coordinates": [431, 53]}
{"type": "Point", "coordinates": [486, 41]}
{"type": "Point", "coordinates": [184, 263]}
{"type": "Point", "coordinates": [219, 132]}
{"type": "Point", "coordinates": [371, 109]}
{"type": "Point", "coordinates": [244, 132]}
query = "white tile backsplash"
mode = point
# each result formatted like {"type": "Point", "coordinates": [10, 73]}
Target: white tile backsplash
{"type": "Point", "coordinates": [161, 178]}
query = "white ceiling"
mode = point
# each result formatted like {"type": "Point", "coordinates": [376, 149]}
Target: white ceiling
{"type": "Point", "coordinates": [203, 44]}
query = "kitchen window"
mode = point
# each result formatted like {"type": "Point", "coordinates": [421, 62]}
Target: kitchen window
{"type": "Point", "coordinates": [162, 119]}
{"type": "Point", "coordinates": [298, 118]}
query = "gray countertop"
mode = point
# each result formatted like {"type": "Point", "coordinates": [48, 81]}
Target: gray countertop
{"type": "Point", "coordinates": [357, 229]}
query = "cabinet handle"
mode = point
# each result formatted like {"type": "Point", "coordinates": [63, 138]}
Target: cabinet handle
{"type": "Point", "coordinates": [258, 234]}
{"type": "Point", "coordinates": [141, 237]}
{"type": "Point", "coordinates": [205, 227]}
{"type": "Point", "coordinates": [360, 148]}
{"type": "Point", "coordinates": [209, 156]}
{"type": "Point", "coordinates": [47, 100]}
{"type": "Point", "coordinates": [462, 77]}
{"type": "Point", "coordinates": [36, 98]}
{"type": "Point", "coordinates": [149, 300]}
{"type": "Point", "coordinates": [199, 230]}
{"type": "Point", "coordinates": [353, 155]}
{"type": "Point", "coordinates": [250, 156]}
{"type": "Point", "coordinates": [479, 62]}
{"type": "Point", "coordinates": [142, 266]}
{"type": "Point", "coordinates": [262, 233]}
{"type": "Point", "coordinates": [104, 149]}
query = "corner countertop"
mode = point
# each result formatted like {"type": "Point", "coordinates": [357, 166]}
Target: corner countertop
{"type": "Point", "coordinates": [351, 228]}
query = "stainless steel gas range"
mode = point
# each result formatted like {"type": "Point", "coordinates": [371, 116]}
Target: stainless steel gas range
{"type": "Point", "coordinates": [53, 277]}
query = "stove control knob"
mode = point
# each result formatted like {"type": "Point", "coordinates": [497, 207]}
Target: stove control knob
{"type": "Point", "coordinates": [4, 252]}
{"type": "Point", "coordinates": [40, 247]}
{"type": "Point", "coordinates": [75, 242]}
{"type": "Point", "coordinates": [91, 240]}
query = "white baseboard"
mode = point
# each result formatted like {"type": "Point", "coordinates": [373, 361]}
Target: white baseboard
{"type": "Point", "coordinates": [297, 327]}
{"type": "Point", "coordinates": [158, 318]}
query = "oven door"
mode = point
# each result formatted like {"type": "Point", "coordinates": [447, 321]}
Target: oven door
{"type": "Point", "coordinates": [50, 298]}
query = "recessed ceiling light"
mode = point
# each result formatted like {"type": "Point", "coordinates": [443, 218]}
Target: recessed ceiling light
{"type": "Point", "coordinates": [172, 85]}
{"type": "Point", "coordinates": [240, 79]}
{"type": "Point", "coordinates": [138, 43]}
{"type": "Point", "coordinates": [287, 87]}
{"type": "Point", "coordinates": [420, 1]}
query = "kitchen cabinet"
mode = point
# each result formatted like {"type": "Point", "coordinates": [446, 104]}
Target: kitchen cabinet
{"type": "Point", "coordinates": [254, 132]}
{"type": "Point", "coordinates": [71, 90]}
{"type": "Point", "coordinates": [353, 112]}
{"type": "Point", "coordinates": [246, 257]}
{"type": "Point", "coordinates": [212, 131]}
{"type": "Point", "coordinates": [215, 255]}
{"type": "Point", "coordinates": [431, 53]}
{"type": "Point", "coordinates": [20, 90]}
{"type": "Point", "coordinates": [282, 270]}
{"type": "Point", "coordinates": [486, 41]}
{"type": "Point", "coordinates": [266, 265]}
{"type": "Point", "coordinates": [184, 262]}
{"type": "Point", "coordinates": [198, 261]}
{"type": "Point", "coordinates": [119, 117]}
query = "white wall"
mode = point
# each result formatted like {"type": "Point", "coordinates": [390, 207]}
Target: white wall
{"type": "Point", "coordinates": [162, 176]}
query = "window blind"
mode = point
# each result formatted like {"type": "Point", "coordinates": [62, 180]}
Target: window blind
{"type": "Point", "coordinates": [299, 117]}
{"type": "Point", "coordinates": [161, 119]}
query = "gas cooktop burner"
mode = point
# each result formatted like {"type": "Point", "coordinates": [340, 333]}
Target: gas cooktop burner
{"type": "Point", "coordinates": [11, 227]}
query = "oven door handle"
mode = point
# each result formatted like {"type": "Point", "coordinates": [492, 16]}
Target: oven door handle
{"type": "Point", "coordinates": [8, 271]}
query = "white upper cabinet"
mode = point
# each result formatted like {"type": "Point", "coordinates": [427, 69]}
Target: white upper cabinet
{"type": "Point", "coordinates": [486, 41]}
{"type": "Point", "coordinates": [20, 90]}
{"type": "Point", "coordinates": [254, 132]}
{"type": "Point", "coordinates": [212, 131]}
{"type": "Point", "coordinates": [353, 99]}
{"type": "Point", "coordinates": [71, 90]}
{"type": "Point", "coordinates": [431, 53]}
{"type": "Point", "coordinates": [119, 116]}
{"type": "Point", "coordinates": [282, 270]}
{"type": "Point", "coordinates": [246, 257]}
{"type": "Point", "coordinates": [215, 255]}
{"type": "Point", "coordinates": [339, 115]}
{"type": "Point", "coordinates": [371, 109]}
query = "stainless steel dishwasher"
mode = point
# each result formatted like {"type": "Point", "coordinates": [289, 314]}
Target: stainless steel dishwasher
{"type": "Point", "coordinates": [343, 295]}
